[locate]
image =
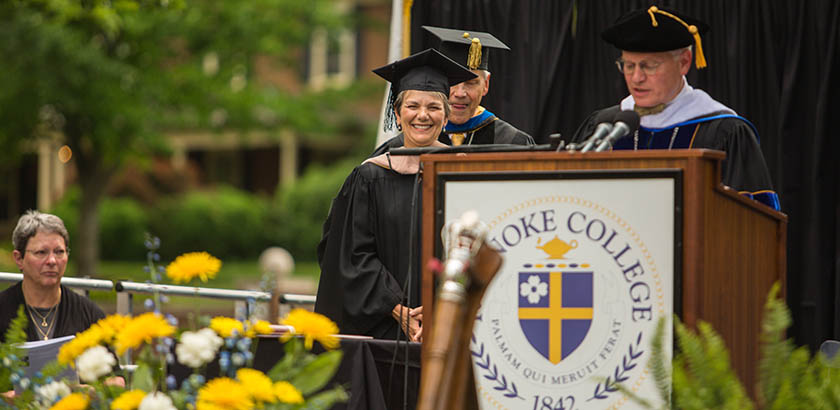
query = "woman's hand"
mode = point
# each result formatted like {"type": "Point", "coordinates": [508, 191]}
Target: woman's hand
{"type": "Point", "coordinates": [410, 321]}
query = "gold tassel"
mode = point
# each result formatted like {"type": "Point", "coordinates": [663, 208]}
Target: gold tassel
{"type": "Point", "coordinates": [700, 58]}
{"type": "Point", "coordinates": [651, 11]}
{"type": "Point", "coordinates": [474, 59]}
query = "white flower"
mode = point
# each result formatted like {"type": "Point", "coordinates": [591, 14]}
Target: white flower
{"type": "Point", "coordinates": [48, 394]}
{"type": "Point", "coordinates": [198, 348]}
{"type": "Point", "coordinates": [156, 401]}
{"type": "Point", "coordinates": [534, 289]}
{"type": "Point", "coordinates": [95, 363]}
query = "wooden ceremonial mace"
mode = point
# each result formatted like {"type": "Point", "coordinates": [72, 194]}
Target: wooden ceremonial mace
{"type": "Point", "coordinates": [447, 380]}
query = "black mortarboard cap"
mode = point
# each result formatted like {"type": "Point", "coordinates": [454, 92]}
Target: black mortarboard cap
{"type": "Point", "coordinates": [470, 48]}
{"type": "Point", "coordinates": [654, 29]}
{"type": "Point", "coordinates": [427, 70]}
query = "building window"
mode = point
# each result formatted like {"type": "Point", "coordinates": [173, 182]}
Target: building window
{"type": "Point", "coordinates": [332, 58]}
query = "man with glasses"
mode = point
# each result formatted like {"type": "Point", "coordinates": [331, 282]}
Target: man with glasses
{"type": "Point", "coordinates": [41, 253]}
{"type": "Point", "coordinates": [656, 52]}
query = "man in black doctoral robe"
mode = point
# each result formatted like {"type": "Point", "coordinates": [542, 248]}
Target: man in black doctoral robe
{"type": "Point", "coordinates": [656, 53]}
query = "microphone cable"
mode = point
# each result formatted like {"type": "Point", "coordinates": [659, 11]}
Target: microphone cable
{"type": "Point", "coordinates": [407, 296]}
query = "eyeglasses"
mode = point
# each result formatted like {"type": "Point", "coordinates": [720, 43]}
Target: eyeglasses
{"type": "Point", "coordinates": [45, 253]}
{"type": "Point", "coordinates": [627, 68]}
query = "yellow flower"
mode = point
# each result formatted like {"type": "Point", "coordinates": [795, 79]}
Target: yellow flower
{"type": "Point", "coordinates": [191, 265]}
{"type": "Point", "coordinates": [257, 384]}
{"type": "Point", "coordinates": [142, 329]}
{"type": "Point", "coordinates": [263, 328]}
{"type": "Point", "coordinates": [69, 351]}
{"type": "Point", "coordinates": [224, 393]}
{"type": "Point", "coordinates": [312, 326]}
{"type": "Point", "coordinates": [225, 326]}
{"type": "Point", "coordinates": [129, 400]}
{"type": "Point", "coordinates": [260, 327]}
{"type": "Point", "coordinates": [112, 325]}
{"type": "Point", "coordinates": [287, 393]}
{"type": "Point", "coordinates": [203, 405]}
{"type": "Point", "coordinates": [75, 401]}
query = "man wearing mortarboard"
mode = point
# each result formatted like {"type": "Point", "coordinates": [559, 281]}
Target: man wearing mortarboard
{"type": "Point", "coordinates": [470, 123]}
{"type": "Point", "coordinates": [656, 52]}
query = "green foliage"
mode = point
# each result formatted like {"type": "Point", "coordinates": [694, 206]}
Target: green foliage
{"type": "Point", "coordinates": [68, 210]}
{"type": "Point", "coordinates": [317, 373]}
{"type": "Point", "coordinates": [111, 77]}
{"type": "Point", "coordinates": [703, 375]}
{"type": "Point", "coordinates": [225, 222]}
{"type": "Point", "coordinates": [299, 211]}
{"type": "Point", "coordinates": [789, 378]}
{"type": "Point", "coordinates": [310, 373]}
{"type": "Point", "coordinates": [14, 335]}
{"type": "Point", "coordinates": [122, 224]}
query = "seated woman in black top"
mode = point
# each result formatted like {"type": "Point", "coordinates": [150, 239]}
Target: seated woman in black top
{"type": "Point", "coordinates": [41, 253]}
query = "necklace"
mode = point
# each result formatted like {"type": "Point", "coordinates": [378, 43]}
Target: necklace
{"type": "Point", "coordinates": [44, 334]}
{"type": "Point", "coordinates": [42, 317]}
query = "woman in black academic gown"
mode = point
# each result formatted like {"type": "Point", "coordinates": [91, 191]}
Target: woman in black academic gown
{"type": "Point", "coordinates": [369, 253]}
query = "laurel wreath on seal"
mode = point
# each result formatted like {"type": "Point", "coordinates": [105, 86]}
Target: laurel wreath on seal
{"type": "Point", "coordinates": [628, 362]}
{"type": "Point", "coordinates": [492, 373]}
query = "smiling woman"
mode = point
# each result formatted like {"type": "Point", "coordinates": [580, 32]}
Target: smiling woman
{"type": "Point", "coordinates": [41, 252]}
{"type": "Point", "coordinates": [421, 115]}
{"type": "Point", "coordinates": [370, 271]}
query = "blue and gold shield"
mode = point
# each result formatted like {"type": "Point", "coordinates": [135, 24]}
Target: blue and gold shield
{"type": "Point", "coordinates": [555, 310]}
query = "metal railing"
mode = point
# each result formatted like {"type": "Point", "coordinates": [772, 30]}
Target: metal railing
{"type": "Point", "coordinates": [78, 283]}
{"type": "Point", "coordinates": [126, 289]}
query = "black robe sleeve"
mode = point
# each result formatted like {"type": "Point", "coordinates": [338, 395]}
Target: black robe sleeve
{"type": "Point", "coordinates": [744, 169]}
{"type": "Point", "coordinates": [508, 134]}
{"type": "Point", "coordinates": [588, 126]}
{"type": "Point", "coordinates": [356, 289]}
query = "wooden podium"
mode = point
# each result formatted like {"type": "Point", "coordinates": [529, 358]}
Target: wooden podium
{"type": "Point", "coordinates": [729, 249]}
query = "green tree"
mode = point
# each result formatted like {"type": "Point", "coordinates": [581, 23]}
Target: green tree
{"type": "Point", "coordinates": [110, 76]}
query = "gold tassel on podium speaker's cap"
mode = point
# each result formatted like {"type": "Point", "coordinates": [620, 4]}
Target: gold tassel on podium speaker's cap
{"type": "Point", "coordinates": [700, 59]}
{"type": "Point", "coordinates": [474, 58]}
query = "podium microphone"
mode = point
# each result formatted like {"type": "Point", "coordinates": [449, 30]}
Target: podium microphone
{"type": "Point", "coordinates": [604, 121]}
{"type": "Point", "coordinates": [626, 122]}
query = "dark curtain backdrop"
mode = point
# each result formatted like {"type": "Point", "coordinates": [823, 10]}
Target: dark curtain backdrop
{"type": "Point", "coordinates": [775, 62]}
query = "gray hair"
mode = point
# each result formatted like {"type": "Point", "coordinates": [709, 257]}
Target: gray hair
{"type": "Point", "coordinates": [447, 108]}
{"type": "Point", "coordinates": [33, 222]}
{"type": "Point", "coordinates": [678, 52]}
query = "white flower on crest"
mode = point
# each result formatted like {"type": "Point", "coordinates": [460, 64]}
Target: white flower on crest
{"type": "Point", "coordinates": [48, 394]}
{"type": "Point", "coordinates": [156, 401]}
{"type": "Point", "coordinates": [198, 348]}
{"type": "Point", "coordinates": [534, 289]}
{"type": "Point", "coordinates": [95, 363]}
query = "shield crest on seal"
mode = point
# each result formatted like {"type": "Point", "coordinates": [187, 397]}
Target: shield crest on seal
{"type": "Point", "coordinates": [555, 310]}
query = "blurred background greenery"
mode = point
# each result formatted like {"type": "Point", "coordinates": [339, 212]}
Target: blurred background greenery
{"type": "Point", "coordinates": [217, 126]}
